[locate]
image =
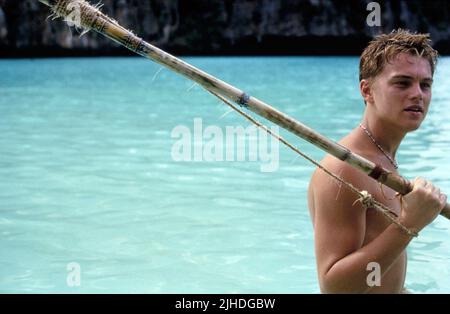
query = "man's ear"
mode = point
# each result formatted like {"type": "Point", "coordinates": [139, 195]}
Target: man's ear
{"type": "Point", "coordinates": [365, 88]}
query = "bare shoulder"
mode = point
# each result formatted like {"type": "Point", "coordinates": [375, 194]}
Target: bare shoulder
{"type": "Point", "coordinates": [326, 188]}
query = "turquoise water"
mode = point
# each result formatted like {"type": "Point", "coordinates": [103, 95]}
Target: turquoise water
{"type": "Point", "coordinates": [87, 177]}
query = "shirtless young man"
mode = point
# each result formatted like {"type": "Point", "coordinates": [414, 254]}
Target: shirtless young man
{"type": "Point", "coordinates": [396, 75]}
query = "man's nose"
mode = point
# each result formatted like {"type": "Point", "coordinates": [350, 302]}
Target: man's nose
{"type": "Point", "coordinates": [416, 92]}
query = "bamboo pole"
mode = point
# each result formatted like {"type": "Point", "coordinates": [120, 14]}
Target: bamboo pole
{"type": "Point", "coordinates": [90, 18]}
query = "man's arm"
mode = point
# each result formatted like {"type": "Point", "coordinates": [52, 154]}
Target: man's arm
{"type": "Point", "coordinates": [340, 227]}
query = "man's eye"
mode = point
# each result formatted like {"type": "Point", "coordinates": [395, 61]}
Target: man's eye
{"type": "Point", "coordinates": [402, 83]}
{"type": "Point", "coordinates": [426, 85]}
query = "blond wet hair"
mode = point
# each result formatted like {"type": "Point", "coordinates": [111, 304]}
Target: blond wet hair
{"type": "Point", "coordinates": [383, 48]}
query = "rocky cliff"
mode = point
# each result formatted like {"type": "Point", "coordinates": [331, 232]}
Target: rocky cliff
{"type": "Point", "coordinates": [225, 26]}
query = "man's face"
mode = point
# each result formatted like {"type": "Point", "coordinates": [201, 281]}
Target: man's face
{"type": "Point", "coordinates": [401, 93]}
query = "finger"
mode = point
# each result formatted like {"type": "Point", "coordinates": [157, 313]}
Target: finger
{"type": "Point", "coordinates": [436, 190]}
{"type": "Point", "coordinates": [427, 184]}
{"type": "Point", "coordinates": [432, 188]}
{"type": "Point", "coordinates": [443, 200]}
{"type": "Point", "coordinates": [418, 182]}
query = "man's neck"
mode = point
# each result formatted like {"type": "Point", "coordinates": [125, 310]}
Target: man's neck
{"type": "Point", "coordinates": [385, 135]}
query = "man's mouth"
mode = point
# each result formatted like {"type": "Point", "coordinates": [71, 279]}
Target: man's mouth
{"type": "Point", "coordinates": [414, 108]}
